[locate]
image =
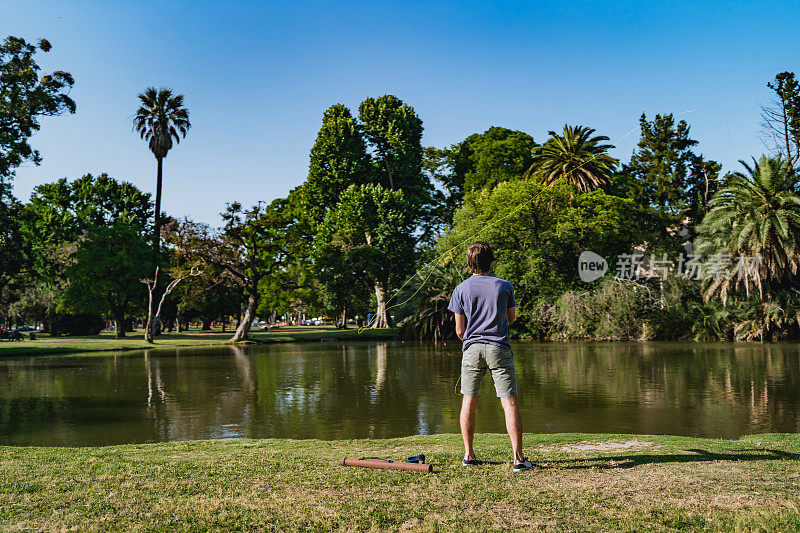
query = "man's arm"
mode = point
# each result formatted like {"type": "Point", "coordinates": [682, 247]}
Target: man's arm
{"type": "Point", "coordinates": [511, 314]}
{"type": "Point", "coordinates": [461, 325]}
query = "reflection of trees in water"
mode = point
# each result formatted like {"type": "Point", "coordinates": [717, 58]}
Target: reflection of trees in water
{"type": "Point", "coordinates": [208, 395]}
{"type": "Point", "coordinates": [389, 389]}
{"type": "Point", "coordinates": [381, 353]}
{"type": "Point", "coordinates": [722, 389]}
{"type": "Point", "coordinates": [352, 391]}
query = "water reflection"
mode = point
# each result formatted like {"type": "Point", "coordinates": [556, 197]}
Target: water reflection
{"type": "Point", "coordinates": [359, 390]}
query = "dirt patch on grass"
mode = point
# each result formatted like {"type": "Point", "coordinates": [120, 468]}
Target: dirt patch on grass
{"type": "Point", "coordinates": [608, 446]}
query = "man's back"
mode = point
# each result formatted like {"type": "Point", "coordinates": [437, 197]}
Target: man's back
{"type": "Point", "coordinates": [484, 299]}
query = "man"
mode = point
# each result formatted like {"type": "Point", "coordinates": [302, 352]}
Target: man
{"type": "Point", "coordinates": [484, 307]}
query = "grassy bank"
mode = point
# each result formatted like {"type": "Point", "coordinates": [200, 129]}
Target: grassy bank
{"type": "Point", "coordinates": [588, 482]}
{"type": "Point", "coordinates": [106, 341]}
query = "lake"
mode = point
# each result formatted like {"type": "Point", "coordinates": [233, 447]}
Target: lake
{"type": "Point", "coordinates": [379, 389]}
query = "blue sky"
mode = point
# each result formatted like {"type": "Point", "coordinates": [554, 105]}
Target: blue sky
{"type": "Point", "coordinates": [258, 75]}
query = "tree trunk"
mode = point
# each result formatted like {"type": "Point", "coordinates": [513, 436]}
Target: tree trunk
{"type": "Point", "coordinates": [222, 312]}
{"type": "Point", "coordinates": [247, 320]}
{"type": "Point", "coordinates": [381, 319]}
{"type": "Point", "coordinates": [344, 316]}
{"type": "Point", "coordinates": [178, 323]}
{"type": "Point", "coordinates": [157, 219]}
{"type": "Point", "coordinates": [119, 325]}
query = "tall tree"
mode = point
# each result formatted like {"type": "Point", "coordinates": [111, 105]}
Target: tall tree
{"type": "Point", "coordinates": [252, 246]}
{"type": "Point", "coordinates": [26, 95]}
{"type": "Point", "coordinates": [755, 214]}
{"type": "Point", "coordinates": [576, 156]}
{"type": "Point", "coordinates": [781, 119]}
{"type": "Point", "coordinates": [674, 181]}
{"type": "Point", "coordinates": [394, 136]}
{"type": "Point", "coordinates": [161, 117]}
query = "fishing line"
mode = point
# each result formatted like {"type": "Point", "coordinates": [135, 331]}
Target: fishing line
{"type": "Point", "coordinates": [472, 237]}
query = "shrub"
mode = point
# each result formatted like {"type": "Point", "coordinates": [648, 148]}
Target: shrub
{"type": "Point", "coordinates": [616, 310]}
{"type": "Point", "coordinates": [77, 324]}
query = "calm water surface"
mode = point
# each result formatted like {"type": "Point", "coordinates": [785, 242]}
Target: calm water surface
{"type": "Point", "coordinates": [360, 390]}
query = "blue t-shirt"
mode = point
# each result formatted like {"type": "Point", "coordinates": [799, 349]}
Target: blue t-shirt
{"type": "Point", "coordinates": [484, 299]}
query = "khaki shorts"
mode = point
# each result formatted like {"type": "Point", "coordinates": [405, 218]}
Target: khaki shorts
{"type": "Point", "coordinates": [477, 358]}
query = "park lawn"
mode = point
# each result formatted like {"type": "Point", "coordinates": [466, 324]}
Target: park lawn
{"type": "Point", "coordinates": [588, 482]}
{"type": "Point", "coordinates": [106, 341]}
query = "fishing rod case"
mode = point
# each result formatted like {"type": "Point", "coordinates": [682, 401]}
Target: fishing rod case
{"type": "Point", "coordinates": [386, 464]}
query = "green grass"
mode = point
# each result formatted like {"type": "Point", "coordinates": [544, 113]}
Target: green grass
{"type": "Point", "coordinates": [588, 482]}
{"type": "Point", "coordinates": [106, 341]}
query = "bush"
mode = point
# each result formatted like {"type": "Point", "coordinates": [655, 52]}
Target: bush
{"type": "Point", "coordinates": [615, 310]}
{"type": "Point", "coordinates": [74, 325]}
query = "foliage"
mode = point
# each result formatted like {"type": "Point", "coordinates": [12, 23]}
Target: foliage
{"type": "Point", "coordinates": [105, 275]}
{"type": "Point", "coordinates": [575, 156]}
{"type": "Point", "coordinates": [26, 95]}
{"type": "Point", "coordinates": [338, 159]}
{"type": "Point", "coordinates": [294, 289]}
{"type": "Point", "coordinates": [394, 134]}
{"type": "Point", "coordinates": [755, 214]}
{"type": "Point", "coordinates": [76, 324]}
{"type": "Point", "coordinates": [672, 180]}
{"type": "Point", "coordinates": [252, 246]}
{"type": "Point", "coordinates": [366, 239]}
{"type": "Point", "coordinates": [615, 310]}
{"type": "Point", "coordinates": [12, 245]}
{"type": "Point", "coordinates": [59, 213]}
{"type": "Point", "coordinates": [538, 232]}
{"type": "Point", "coordinates": [494, 156]}
{"type": "Point", "coordinates": [480, 161]}
{"type": "Point", "coordinates": [354, 161]}
{"type": "Point", "coordinates": [161, 117]}
{"type": "Point", "coordinates": [423, 314]}
{"type": "Point", "coordinates": [213, 293]}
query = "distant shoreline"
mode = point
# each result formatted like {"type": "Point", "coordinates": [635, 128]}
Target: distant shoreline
{"type": "Point", "coordinates": [106, 342]}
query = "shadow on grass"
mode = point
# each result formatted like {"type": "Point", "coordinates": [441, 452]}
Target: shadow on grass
{"type": "Point", "coordinates": [696, 455]}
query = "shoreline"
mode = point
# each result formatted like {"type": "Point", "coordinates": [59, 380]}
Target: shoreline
{"type": "Point", "coordinates": [587, 482]}
{"type": "Point", "coordinates": [106, 342]}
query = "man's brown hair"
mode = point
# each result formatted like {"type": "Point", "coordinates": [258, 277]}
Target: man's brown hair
{"type": "Point", "coordinates": [479, 257]}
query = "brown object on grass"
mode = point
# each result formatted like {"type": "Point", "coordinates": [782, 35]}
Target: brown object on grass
{"type": "Point", "coordinates": [387, 465]}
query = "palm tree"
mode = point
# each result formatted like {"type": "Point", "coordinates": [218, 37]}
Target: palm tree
{"type": "Point", "coordinates": [755, 214]}
{"type": "Point", "coordinates": [161, 118]}
{"type": "Point", "coordinates": [425, 310]}
{"type": "Point", "coordinates": [576, 156]}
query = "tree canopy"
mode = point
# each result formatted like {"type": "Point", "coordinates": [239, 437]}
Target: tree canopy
{"type": "Point", "coordinates": [106, 270]}
{"type": "Point", "coordinates": [25, 95]}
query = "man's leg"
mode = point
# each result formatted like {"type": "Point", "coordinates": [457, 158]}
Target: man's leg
{"type": "Point", "coordinates": [468, 405]}
{"type": "Point", "coordinates": [513, 425]}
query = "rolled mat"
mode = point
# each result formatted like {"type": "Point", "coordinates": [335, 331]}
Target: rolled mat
{"type": "Point", "coordinates": [387, 465]}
